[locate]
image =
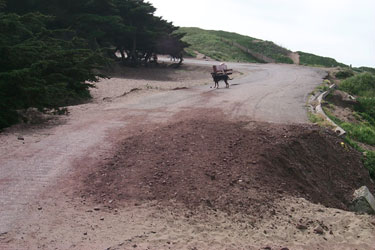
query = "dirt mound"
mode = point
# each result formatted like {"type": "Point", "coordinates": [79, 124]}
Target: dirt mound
{"type": "Point", "coordinates": [232, 167]}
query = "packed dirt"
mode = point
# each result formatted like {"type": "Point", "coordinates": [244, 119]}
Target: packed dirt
{"type": "Point", "coordinates": [228, 166]}
{"type": "Point", "coordinates": [145, 166]}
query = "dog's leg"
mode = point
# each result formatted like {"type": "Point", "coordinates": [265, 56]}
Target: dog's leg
{"type": "Point", "coordinates": [227, 84]}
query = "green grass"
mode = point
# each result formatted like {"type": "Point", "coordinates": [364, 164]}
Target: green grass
{"type": "Point", "coordinates": [363, 87]}
{"type": "Point", "coordinates": [369, 162]}
{"type": "Point", "coordinates": [344, 73]}
{"type": "Point", "coordinates": [319, 119]}
{"type": "Point", "coordinates": [210, 44]}
{"type": "Point", "coordinates": [368, 159]}
{"type": "Point", "coordinates": [360, 132]}
{"type": "Point", "coordinates": [216, 44]}
{"type": "Point", "coordinates": [320, 61]}
{"type": "Point", "coordinates": [315, 118]}
{"type": "Point", "coordinates": [364, 69]}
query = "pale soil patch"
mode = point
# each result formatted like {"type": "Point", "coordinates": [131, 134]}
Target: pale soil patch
{"type": "Point", "coordinates": [67, 224]}
{"type": "Point", "coordinates": [345, 114]}
{"type": "Point", "coordinates": [295, 57]}
{"type": "Point", "coordinates": [125, 79]}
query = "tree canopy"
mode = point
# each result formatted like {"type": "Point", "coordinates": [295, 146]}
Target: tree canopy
{"type": "Point", "coordinates": [126, 26]}
{"type": "Point", "coordinates": [50, 49]}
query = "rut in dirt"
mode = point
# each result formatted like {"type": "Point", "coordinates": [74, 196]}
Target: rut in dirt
{"type": "Point", "coordinates": [229, 166]}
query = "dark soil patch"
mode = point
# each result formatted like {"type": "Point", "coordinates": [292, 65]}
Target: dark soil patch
{"type": "Point", "coordinates": [232, 167]}
{"type": "Point", "coordinates": [180, 88]}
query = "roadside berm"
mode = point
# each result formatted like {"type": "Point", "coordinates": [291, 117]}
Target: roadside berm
{"type": "Point", "coordinates": [235, 167]}
{"type": "Point", "coordinates": [208, 182]}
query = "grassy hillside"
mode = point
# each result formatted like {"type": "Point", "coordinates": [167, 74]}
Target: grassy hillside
{"type": "Point", "coordinates": [210, 44]}
{"type": "Point", "coordinates": [361, 127]}
{"type": "Point", "coordinates": [219, 45]}
{"type": "Point", "coordinates": [216, 44]}
{"type": "Point", "coordinates": [364, 69]}
{"type": "Point", "coordinates": [314, 60]}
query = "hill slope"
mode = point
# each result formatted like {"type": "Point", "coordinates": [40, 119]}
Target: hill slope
{"type": "Point", "coordinates": [228, 46]}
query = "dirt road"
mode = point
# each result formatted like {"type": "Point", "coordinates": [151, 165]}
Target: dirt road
{"type": "Point", "coordinates": [35, 163]}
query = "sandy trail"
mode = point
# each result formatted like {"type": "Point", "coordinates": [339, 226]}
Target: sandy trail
{"type": "Point", "coordinates": [37, 208]}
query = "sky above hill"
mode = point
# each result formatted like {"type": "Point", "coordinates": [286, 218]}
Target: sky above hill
{"type": "Point", "coordinates": [342, 29]}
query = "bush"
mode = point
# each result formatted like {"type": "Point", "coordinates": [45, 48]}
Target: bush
{"type": "Point", "coordinates": [362, 85]}
{"type": "Point", "coordinates": [366, 105]}
{"type": "Point", "coordinates": [365, 69]}
{"type": "Point", "coordinates": [369, 162]}
{"type": "Point", "coordinates": [343, 74]}
{"type": "Point", "coordinates": [39, 70]}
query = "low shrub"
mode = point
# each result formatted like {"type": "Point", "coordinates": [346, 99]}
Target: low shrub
{"type": "Point", "coordinates": [39, 70]}
{"type": "Point", "coordinates": [366, 105]}
{"type": "Point", "coordinates": [362, 85]}
{"type": "Point", "coordinates": [343, 74]}
{"type": "Point", "coordinates": [369, 162]}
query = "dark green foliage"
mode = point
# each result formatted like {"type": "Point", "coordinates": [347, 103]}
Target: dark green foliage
{"type": "Point", "coordinates": [365, 69]}
{"type": "Point", "coordinates": [39, 70]}
{"type": "Point", "coordinates": [2, 4]}
{"type": "Point", "coordinates": [314, 60]}
{"type": "Point", "coordinates": [172, 45]}
{"type": "Point", "coordinates": [361, 84]}
{"type": "Point", "coordinates": [366, 106]}
{"type": "Point", "coordinates": [369, 162]}
{"type": "Point", "coordinates": [50, 49]}
{"type": "Point", "coordinates": [345, 73]}
{"type": "Point", "coordinates": [143, 35]}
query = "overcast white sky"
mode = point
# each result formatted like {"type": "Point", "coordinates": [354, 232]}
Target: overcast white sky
{"type": "Point", "coordinates": [342, 29]}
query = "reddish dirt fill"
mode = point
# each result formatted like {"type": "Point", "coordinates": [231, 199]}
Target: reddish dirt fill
{"type": "Point", "coordinates": [229, 166]}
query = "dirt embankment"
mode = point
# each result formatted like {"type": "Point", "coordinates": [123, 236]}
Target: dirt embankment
{"type": "Point", "coordinates": [229, 166]}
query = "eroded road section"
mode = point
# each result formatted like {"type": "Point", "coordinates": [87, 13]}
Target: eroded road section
{"type": "Point", "coordinates": [31, 166]}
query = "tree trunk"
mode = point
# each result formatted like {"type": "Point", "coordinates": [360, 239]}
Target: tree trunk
{"type": "Point", "coordinates": [181, 60]}
{"type": "Point", "coordinates": [122, 55]}
{"type": "Point", "coordinates": [134, 50]}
